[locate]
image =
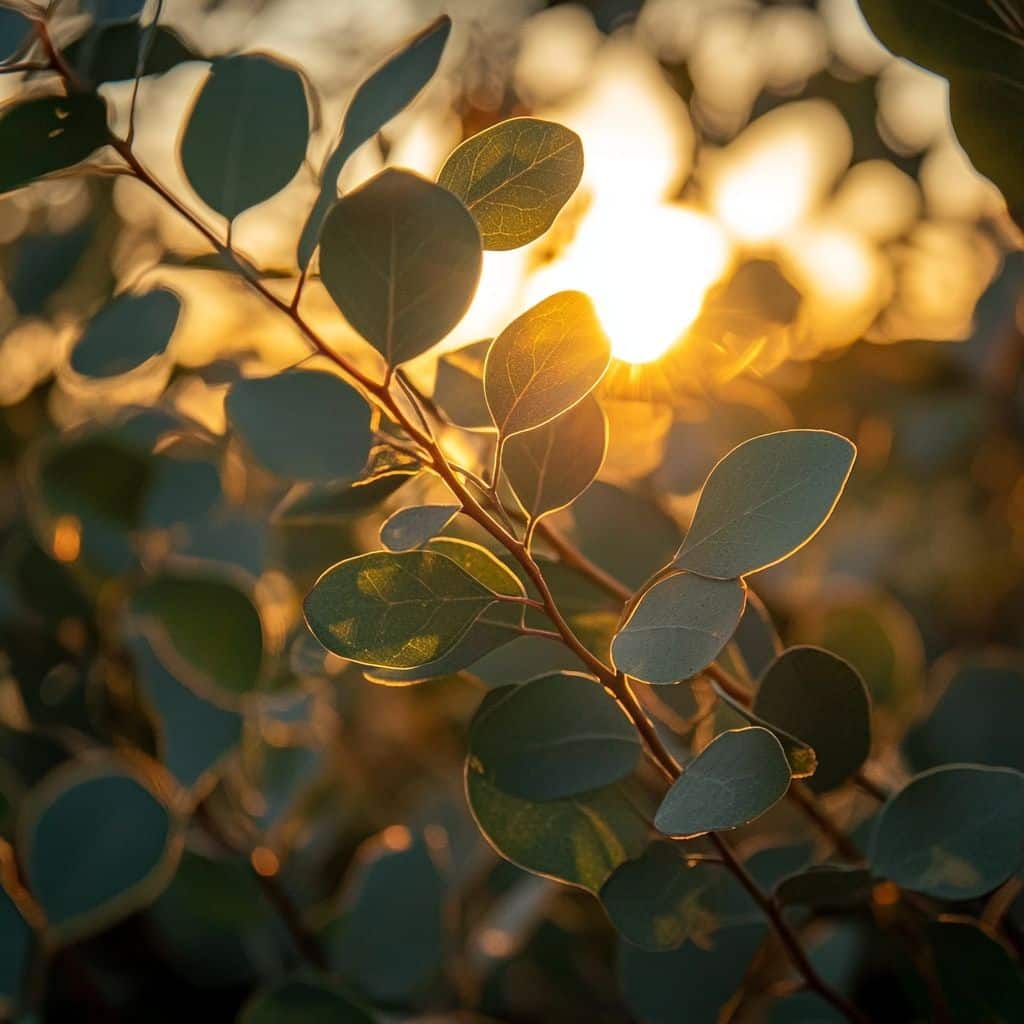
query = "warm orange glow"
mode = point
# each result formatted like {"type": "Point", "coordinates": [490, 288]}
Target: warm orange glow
{"type": "Point", "coordinates": [67, 539]}
{"type": "Point", "coordinates": [396, 837]}
{"type": "Point", "coordinates": [885, 894]}
{"type": "Point", "coordinates": [265, 862]}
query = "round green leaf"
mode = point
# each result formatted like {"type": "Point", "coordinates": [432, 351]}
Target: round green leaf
{"type": "Point", "coordinates": [110, 52]}
{"type": "Point", "coordinates": [98, 844]}
{"type": "Point", "coordinates": [678, 627]}
{"type": "Point", "coordinates": [822, 700]}
{"type": "Point", "coordinates": [954, 832]}
{"type": "Point", "coordinates": [545, 362]}
{"type": "Point", "coordinates": [514, 177]}
{"type": "Point", "coordinates": [412, 527]}
{"type": "Point", "coordinates": [738, 776]}
{"type": "Point", "coordinates": [395, 610]}
{"type": "Point", "coordinates": [125, 333]}
{"type": "Point", "coordinates": [247, 135]}
{"type": "Point", "coordinates": [553, 737]}
{"type": "Point", "coordinates": [388, 91]}
{"type": "Point", "coordinates": [15, 946]}
{"type": "Point", "coordinates": [302, 424]}
{"type": "Point", "coordinates": [550, 467]}
{"type": "Point", "coordinates": [305, 1001]}
{"type": "Point", "coordinates": [401, 258]}
{"type": "Point", "coordinates": [826, 887]}
{"type": "Point", "coordinates": [764, 500]}
{"type": "Point", "coordinates": [49, 134]}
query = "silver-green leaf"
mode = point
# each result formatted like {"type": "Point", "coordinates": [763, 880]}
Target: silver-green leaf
{"type": "Point", "coordinates": [412, 527]}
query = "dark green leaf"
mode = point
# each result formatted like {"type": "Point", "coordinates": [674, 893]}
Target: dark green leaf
{"type": "Point", "coordinates": [125, 333]}
{"type": "Point", "coordinates": [47, 134]}
{"type": "Point", "coordinates": [14, 28]}
{"type": "Point", "coordinates": [954, 832]}
{"type": "Point", "coordinates": [124, 850]}
{"type": "Point", "coordinates": [822, 700]}
{"type": "Point", "coordinates": [826, 887]}
{"type": "Point", "coordinates": [338, 500]}
{"type": "Point", "coordinates": [545, 362]}
{"type": "Point", "coordinates": [550, 467]}
{"type": "Point", "coordinates": [765, 499]}
{"type": "Point", "coordinates": [305, 1001]}
{"type": "Point", "coordinates": [390, 89]}
{"type": "Point", "coordinates": [15, 945]}
{"type": "Point", "coordinates": [412, 527]}
{"type": "Point", "coordinates": [247, 134]}
{"type": "Point", "coordinates": [181, 490]}
{"type": "Point", "coordinates": [738, 776]}
{"type": "Point", "coordinates": [401, 258]}
{"type": "Point", "coordinates": [110, 52]}
{"type": "Point", "coordinates": [678, 627]}
{"type": "Point", "coordinates": [303, 424]}
{"type": "Point", "coordinates": [514, 177]}
{"type": "Point", "coordinates": [395, 610]}
{"type": "Point", "coordinates": [557, 736]}
{"type": "Point", "coordinates": [459, 386]}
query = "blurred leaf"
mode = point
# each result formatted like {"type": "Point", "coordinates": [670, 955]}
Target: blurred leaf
{"type": "Point", "coordinates": [514, 177]}
{"type": "Point", "coordinates": [338, 499]}
{"type": "Point", "coordinates": [15, 946]}
{"type": "Point", "coordinates": [246, 136]}
{"type": "Point", "coordinates": [804, 1008]}
{"type": "Point", "coordinates": [304, 1001]}
{"type": "Point", "coordinates": [551, 466]}
{"type": "Point", "coordinates": [554, 737]}
{"type": "Point", "coordinates": [756, 641]}
{"type": "Point", "coordinates": [42, 263]}
{"type": "Point", "coordinates": [826, 887]}
{"type": "Point", "coordinates": [954, 832]}
{"type": "Point", "coordinates": [401, 258]}
{"type": "Point", "coordinates": [205, 629]}
{"type": "Point", "coordinates": [109, 52]}
{"type": "Point", "coordinates": [655, 901]}
{"type": "Point", "coordinates": [678, 627]}
{"type": "Point", "coordinates": [14, 28]}
{"type": "Point", "coordinates": [738, 776]}
{"type": "Point", "coordinates": [459, 386]}
{"type": "Point", "coordinates": [395, 610]}
{"type": "Point", "coordinates": [302, 424]}
{"type": "Point", "coordinates": [47, 134]}
{"type": "Point", "coordinates": [391, 88]}
{"type": "Point", "coordinates": [98, 844]}
{"type": "Point", "coordinates": [412, 527]}
{"type": "Point", "coordinates": [764, 500]}
{"type": "Point", "coordinates": [181, 490]}
{"type": "Point", "coordinates": [821, 699]}
{"type": "Point", "coordinates": [394, 890]}
{"type": "Point", "coordinates": [129, 330]}
{"type": "Point", "coordinates": [545, 362]}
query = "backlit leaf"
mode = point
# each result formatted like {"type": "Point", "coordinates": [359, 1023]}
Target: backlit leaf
{"type": "Point", "coordinates": [124, 850]}
{"type": "Point", "coordinates": [557, 736]}
{"type": "Point", "coordinates": [401, 258]}
{"type": "Point", "coordinates": [47, 134]}
{"type": "Point", "coordinates": [514, 177]}
{"type": "Point", "coordinates": [822, 700]}
{"type": "Point", "coordinates": [302, 424]}
{"type": "Point", "coordinates": [764, 500]}
{"type": "Point", "coordinates": [395, 610]}
{"type": "Point", "coordinates": [545, 362]}
{"type": "Point", "coordinates": [738, 776]}
{"type": "Point", "coordinates": [246, 136]}
{"type": "Point", "coordinates": [678, 627]}
{"type": "Point", "coordinates": [548, 468]}
{"type": "Point", "coordinates": [386, 92]}
{"type": "Point", "coordinates": [954, 832]}
{"type": "Point", "coordinates": [412, 527]}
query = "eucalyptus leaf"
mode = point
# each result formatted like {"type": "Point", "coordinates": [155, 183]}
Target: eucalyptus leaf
{"type": "Point", "coordinates": [953, 832]}
{"type": "Point", "coordinates": [826, 887]}
{"type": "Point", "coordinates": [459, 386]}
{"type": "Point", "coordinates": [302, 424]}
{"type": "Point", "coordinates": [738, 776]}
{"type": "Point", "coordinates": [514, 177]}
{"type": "Point", "coordinates": [125, 849]}
{"type": "Point", "coordinates": [110, 52]}
{"type": "Point", "coordinates": [678, 627]}
{"type": "Point", "coordinates": [545, 362]}
{"type": "Point", "coordinates": [412, 527]}
{"type": "Point", "coordinates": [765, 499]}
{"type": "Point", "coordinates": [401, 258]}
{"type": "Point", "coordinates": [557, 736]}
{"type": "Point", "coordinates": [305, 1000]}
{"type": "Point", "coordinates": [821, 699]}
{"type": "Point", "coordinates": [14, 29]}
{"type": "Point", "coordinates": [550, 467]}
{"type": "Point", "coordinates": [48, 134]}
{"type": "Point", "coordinates": [391, 88]}
{"type": "Point", "coordinates": [395, 610]}
{"type": "Point", "coordinates": [338, 500]}
{"type": "Point", "coordinates": [125, 333]}
{"type": "Point", "coordinates": [16, 945]}
{"type": "Point", "coordinates": [247, 134]}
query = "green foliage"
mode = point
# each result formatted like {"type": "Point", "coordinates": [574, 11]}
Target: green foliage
{"type": "Point", "coordinates": [247, 134]}
{"type": "Point", "coordinates": [15, 945]}
{"type": "Point", "coordinates": [825, 888]}
{"type": "Point", "coordinates": [678, 627]}
{"type": "Point", "coordinates": [412, 527]}
{"type": "Point", "coordinates": [736, 778]}
{"type": "Point", "coordinates": [514, 178]}
{"type": "Point", "coordinates": [304, 1001]}
{"type": "Point", "coordinates": [116, 51]}
{"type": "Point", "coordinates": [953, 832]}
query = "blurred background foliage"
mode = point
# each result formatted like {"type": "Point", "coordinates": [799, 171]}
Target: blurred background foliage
{"type": "Point", "coordinates": [778, 228]}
